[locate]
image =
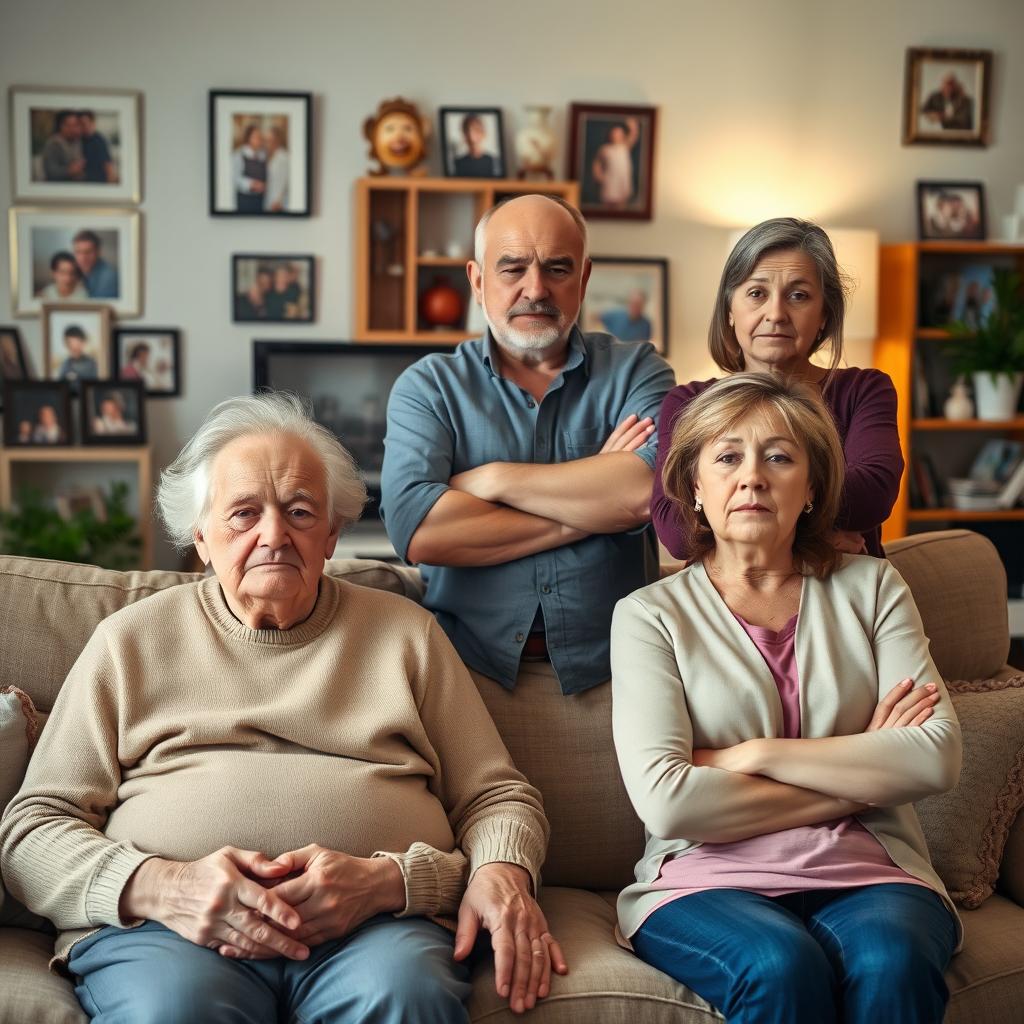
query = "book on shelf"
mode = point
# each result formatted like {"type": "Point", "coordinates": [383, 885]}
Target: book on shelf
{"type": "Point", "coordinates": [929, 486]}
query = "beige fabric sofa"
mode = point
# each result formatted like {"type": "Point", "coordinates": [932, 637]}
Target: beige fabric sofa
{"type": "Point", "coordinates": [49, 609]}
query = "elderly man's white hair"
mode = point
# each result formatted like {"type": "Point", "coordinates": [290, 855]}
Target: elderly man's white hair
{"type": "Point", "coordinates": [479, 236]}
{"type": "Point", "coordinates": [185, 495]}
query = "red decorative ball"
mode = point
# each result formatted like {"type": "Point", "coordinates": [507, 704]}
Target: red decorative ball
{"type": "Point", "coordinates": [441, 305]}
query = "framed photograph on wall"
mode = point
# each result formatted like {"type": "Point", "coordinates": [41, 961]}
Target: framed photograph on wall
{"type": "Point", "coordinates": [611, 155]}
{"type": "Point", "coordinates": [272, 289]}
{"type": "Point", "coordinates": [13, 366]}
{"type": "Point", "coordinates": [75, 145]}
{"type": "Point", "coordinates": [151, 355]}
{"type": "Point", "coordinates": [627, 296]}
{"type": "Point", "coordinates": [472, 142]}
{"type": "Point", "coordinates": [950, 209]}
{"type": "Point", "coordinates": [37, 412]}
{"type": "Point", "coordinates": [261, 154]}
{"type": "Point", "coordinates": [76, 343]}
{"type": "Point", "coordinates": [946, 97]}
{"type": "Point", "coordinates": [113, 412]}
{"type": "Point", "coordinates": [75, 255]}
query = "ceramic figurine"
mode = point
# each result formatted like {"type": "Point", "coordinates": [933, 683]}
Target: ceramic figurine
{"type": "Point", "coordinates": [959, 405]}
{"type": "Point", "coordinates": [397, 134]}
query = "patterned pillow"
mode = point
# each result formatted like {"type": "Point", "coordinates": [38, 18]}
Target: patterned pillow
{"type": "Point", "coordinates": [967, 827]}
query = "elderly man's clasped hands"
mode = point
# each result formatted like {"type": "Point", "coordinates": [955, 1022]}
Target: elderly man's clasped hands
{"type": "Point", "coordinates": [247, 906]}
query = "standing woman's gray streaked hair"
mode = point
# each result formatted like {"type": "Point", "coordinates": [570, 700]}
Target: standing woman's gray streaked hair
{"type": "Point", "coordinates": [780, 234]}
{"type": "Point", "coordinates": [184, 494]}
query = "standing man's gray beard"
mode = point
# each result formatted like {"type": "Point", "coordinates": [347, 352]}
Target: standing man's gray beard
{"type": "Point", "coordinates": [526, 342]}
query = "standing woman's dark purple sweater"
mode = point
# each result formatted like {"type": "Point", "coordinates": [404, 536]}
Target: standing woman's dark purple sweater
{"type": "Point", "coordinates": [863, 405]}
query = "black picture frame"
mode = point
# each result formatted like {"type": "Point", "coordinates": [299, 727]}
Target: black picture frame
{"type": "Point", "coordinates": [221, 202]}
{"type": "Point", "coordinates": [589, 123]}
{"type": "Point", "coordinates": [119, 366]}
{"type": "Point", "coordinates": [601, 294]}
{"type": "Point", "coordinates": [94, 393]}
{"type": "Point", "coordinates": [241, 313]}
{"type": "Point", "coordinates": [935, 197]}
{"type": "Point", "coordinates": [947, 121]}
{"type": "Point", "coordinates": [59, 393]}
{"type": "Point", "coordinates": [13, 364]}
{"type": "Point", "coordinates": [491, 119]}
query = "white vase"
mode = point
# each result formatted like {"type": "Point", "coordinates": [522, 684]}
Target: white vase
{"type": "Point", "coordinates": [535, 143]}
{"type": "Point", "coordinates": [997, 399]}
{"type": "Point", "coordinates": [959, 405]}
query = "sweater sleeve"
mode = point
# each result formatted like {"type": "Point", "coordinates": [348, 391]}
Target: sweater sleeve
{"type": "Point", "coordinates": [653, 734]}
{"type": "Point", "coordinates": [53, 854]}
{"type": "Point", "coordinates": [495, 814]}
{"type": "Point", "coordinates": [874, 461]}
{"type": "Point", "coordinates": [663, 509]}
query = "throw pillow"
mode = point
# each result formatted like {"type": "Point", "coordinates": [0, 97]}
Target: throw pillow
{"type": "Point", "coordinates": [18, 732]}
{"type": "Point", "coordinates": [967, 827]}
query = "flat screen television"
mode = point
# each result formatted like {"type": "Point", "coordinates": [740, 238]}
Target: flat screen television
{"type": "Point", "coordinates": [347, 385]}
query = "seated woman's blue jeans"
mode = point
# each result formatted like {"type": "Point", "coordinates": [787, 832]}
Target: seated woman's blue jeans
{"type": "Point", "coordinates": [388, 971]}
{"type": "Point", "coordinates": [865, 955]}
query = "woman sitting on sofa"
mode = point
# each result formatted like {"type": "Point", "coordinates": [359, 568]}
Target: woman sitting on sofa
{"type": "Point", "coordinates": [258, 795]}
{"type": "Point", "coordinates": [771, 738]}
{"type": "Point", "coordinates": [781, 299]}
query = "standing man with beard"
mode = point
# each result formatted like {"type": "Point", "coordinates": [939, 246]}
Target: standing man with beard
{"type": "Point", "coordinates": [518, 469]}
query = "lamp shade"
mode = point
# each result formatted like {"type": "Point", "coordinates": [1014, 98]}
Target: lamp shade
{"type": "Point", "coordinates": [856, 252]}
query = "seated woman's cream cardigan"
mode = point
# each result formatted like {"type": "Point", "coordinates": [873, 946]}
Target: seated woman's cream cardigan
{"type": "Point", "coordinates": [685, 675]}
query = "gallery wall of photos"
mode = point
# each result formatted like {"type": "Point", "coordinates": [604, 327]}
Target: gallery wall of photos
{"type": "Point", "coordinates": [77, 235]}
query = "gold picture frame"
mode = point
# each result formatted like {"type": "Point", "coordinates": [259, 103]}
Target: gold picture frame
{"type": "Point", "coordinates": [946, 97]}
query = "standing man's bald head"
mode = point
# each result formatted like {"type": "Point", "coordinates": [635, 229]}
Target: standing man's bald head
{"type": "Point", "coordinates": [530, 273]}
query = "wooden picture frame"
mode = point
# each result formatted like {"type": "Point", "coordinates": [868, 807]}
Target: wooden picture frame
{"type": "Point", "coordinates": [946, 97]}
{"type": "Point", "coordinates": [951, 210]}
{"type": "Point", "coordinates": [25, 424]}
{"type": "Point", "coordinates": [234, 115]}
{"type": "Point", "coordinates": [159, 372]}
{"type": "Point", "coordinates": [611, 155]}
{"type": "Point", "coordinates": [613, 303]}
{"type": "Point", "coordinates": [457, 157]}
{"type": "Point", "coordinates": [13, 364]}
{"type": "Point", "coordinates": [113, 412]}
{"type": "Point", "coordinates": [76, 343]}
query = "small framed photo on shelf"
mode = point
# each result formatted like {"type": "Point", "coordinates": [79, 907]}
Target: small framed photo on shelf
{"type": "Point", "coordinates": [151, 355]}
{"type": "Point", "coordinates": [113, 412]}
{"type": "Point", "coordinates": [81, 500]}
{"type": "Point", "coordinates": [261, 154]}
{"type": "Point", "coordinates": [76, 343]}
{"type": "Point", "coordinates": [611, 155]}
{"type": "Point", "coordinates": [627, 296]}
{"type": "Point", "coordinates": [13, 366]}
{"type": "Point", "coordinates": [75, 145]}
{"type": "Point", "coordinates": [74, 255]}
{"type": "Point", "coordinates": [272, 288]}
{"type": "Point", "coordinates": [951, 210]}
{"type": "Point", "coordinates": [946, 97]}
{"type": "Point", "coordinates": [472, 142]}
{"type": "Point", "coordinates": [37, 412]}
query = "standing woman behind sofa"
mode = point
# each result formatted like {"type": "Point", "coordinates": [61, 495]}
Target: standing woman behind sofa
{"type": "Point", "coordinates": [780, 300]}
{"type": "Point", "coordinates": [770, 738]}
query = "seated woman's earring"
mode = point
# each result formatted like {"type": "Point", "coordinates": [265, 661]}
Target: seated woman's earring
{"type": "Point", "coordinates": [809, 507]}
{"type": "Point", "coordinates": [698, 506]}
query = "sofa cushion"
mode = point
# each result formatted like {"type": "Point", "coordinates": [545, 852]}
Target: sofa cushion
{"type": "Point", "coordinates": [605, 982]}
{"type": "Point", "coordinates": [967, 827]}
{"type": "Point", "coordinates": [29, 992]}
{"type": "Point", "coordinates": [957, 577]}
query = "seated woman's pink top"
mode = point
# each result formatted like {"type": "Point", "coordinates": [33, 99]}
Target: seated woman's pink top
{"type": "Point", "coordinates": [836, 854]}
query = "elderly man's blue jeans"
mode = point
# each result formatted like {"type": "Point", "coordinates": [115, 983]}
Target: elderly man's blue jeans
{"type": "Point", "coordinates": [866, 955]}
{"type": "Point", "coordinates": [388, 971]}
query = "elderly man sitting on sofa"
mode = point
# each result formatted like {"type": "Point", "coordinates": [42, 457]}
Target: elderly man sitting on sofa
{"type": "Point", "coordinates": [259, 794]}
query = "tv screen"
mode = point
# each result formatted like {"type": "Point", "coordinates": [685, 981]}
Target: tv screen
{"type": "Point", "coordinates": [348, 386]}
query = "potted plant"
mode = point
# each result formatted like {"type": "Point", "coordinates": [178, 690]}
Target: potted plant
{"type": "Point", "coordinates": [992, 352]}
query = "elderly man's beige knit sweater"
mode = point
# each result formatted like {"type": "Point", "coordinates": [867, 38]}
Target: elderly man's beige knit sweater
{"type": "Point", "coordinates": [180, 730]}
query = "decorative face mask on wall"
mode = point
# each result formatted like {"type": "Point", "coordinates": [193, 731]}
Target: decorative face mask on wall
{"type": "Point", "coordinates": [397, 134]}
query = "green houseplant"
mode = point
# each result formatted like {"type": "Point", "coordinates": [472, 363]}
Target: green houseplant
{"type": "Point", "coordinates": [34, 528]}
{"type": "Point", "coordinates": [992, 352]}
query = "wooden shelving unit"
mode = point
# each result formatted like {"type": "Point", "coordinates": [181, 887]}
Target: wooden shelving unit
{"type": "Point", "coordinates": [404, 228]}
{"type": "Point", "coordinates": [140, 457]}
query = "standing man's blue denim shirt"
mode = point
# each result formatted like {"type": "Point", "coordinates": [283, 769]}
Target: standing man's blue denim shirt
{"type": "Point", "coordinates": [102, 281]}
{"type": "Point", "coordinates": [450, 413]}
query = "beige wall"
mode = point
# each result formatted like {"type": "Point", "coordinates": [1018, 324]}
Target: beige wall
{"type": "Point", "coordinates": [766, 108]}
